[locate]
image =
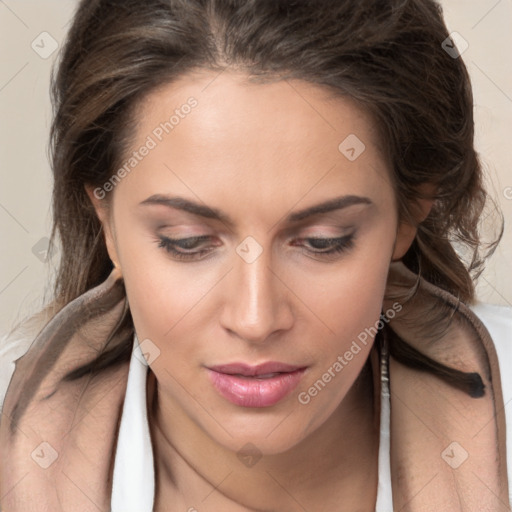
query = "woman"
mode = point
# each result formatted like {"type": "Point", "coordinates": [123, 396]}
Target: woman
{"type": "Point", "coordinates": [258, 305]}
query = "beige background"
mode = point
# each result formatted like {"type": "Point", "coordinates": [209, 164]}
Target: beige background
{"type": "Point", "coordinates": [25, 113]}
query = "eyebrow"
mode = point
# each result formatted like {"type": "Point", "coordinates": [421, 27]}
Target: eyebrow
{"type": "Point", "coordinates": [180, 203]}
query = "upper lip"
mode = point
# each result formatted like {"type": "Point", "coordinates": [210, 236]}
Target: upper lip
{"type": "Point", "coordinates": [253, 371]}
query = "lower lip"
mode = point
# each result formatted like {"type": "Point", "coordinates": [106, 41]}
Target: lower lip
{"type": "Point", "coordinates": [253, 392]}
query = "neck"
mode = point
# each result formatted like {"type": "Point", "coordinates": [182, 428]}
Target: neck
{"type": "Point", "coordinates": [336, 463]}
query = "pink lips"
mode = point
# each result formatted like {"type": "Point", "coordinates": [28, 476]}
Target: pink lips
{"type": "Point", "coordinates": [255, 386]}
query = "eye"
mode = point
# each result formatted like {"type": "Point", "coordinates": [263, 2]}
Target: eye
{"type": "Point", "coordinates": [189, 248]}
{"type": "Point", "coordinates": [178, 247]}
{"type": "Point", "coordinates": [328, 246]}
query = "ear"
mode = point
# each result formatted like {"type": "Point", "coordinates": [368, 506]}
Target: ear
{"type": "Point", "coordinates": [103, 213]}
{"type": "Point", "coordinates": [407, 231]}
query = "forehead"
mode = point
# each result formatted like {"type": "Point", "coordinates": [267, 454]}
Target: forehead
{"type": "Point", "coordinates": [298, 110]}
{"type": "Point", "coordinates": [221, 132]}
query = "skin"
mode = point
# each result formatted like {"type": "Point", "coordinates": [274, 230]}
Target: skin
{"type": "Point", "coordinates": [257, 152]}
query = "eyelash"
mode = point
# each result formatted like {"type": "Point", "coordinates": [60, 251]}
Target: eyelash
{"type": "Point", "coordinates": [339, 245]}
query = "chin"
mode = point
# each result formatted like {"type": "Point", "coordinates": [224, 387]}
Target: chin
{"type": "Point", "coordinates": [270, 435]}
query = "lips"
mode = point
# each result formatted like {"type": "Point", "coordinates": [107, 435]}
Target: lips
{"type": "Point", "coordinates": [263, 385]}
{"type": "Point", "coordinates": [246, 370]}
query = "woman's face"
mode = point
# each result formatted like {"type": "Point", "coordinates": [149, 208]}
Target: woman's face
{"type": "Point", "coordinates": [254, 226]}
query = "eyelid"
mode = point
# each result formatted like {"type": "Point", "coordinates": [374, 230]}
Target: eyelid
{"type": "Point", "coordinates": [194, 239]}
{"type": "Point", "coordinates": [325, 224]}
{"type": "Point", "coordinates": [338, 245]}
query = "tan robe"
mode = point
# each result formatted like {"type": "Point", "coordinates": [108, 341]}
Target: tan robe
{"type": "Point", "coordinates": [58, 439]}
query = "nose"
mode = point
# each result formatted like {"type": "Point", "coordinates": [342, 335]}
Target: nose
{"type": "Point", "coordinates": [257, 303]}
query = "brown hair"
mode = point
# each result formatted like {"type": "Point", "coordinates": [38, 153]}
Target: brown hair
{"type": "Point", "coordinates": [385, 55]}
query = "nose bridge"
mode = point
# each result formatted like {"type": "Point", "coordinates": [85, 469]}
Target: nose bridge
{"type": "Point", "coordinates": [257, 304]}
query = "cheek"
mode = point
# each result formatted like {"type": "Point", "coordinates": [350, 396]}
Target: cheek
{"type": "Point", "coordinates": [349, 300]}
{"type": "Point", "coordinates": [161, 298]}
{"type": "Point", "coordinates": [159, 293]}
{"type": "Point", "coordinates": [360, 296]}
{"type": "Point", "coordinates": [351, 308]}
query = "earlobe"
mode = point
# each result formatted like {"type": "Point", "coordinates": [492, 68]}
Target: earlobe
{"type": "Point", "coordinates": [406, 230]}
{"type": "Point", "coordinates": [404, 239]}
{"type": "Point", "coordinates": [96, 202]}
{"type": "Point", "coordinates": [104, 218]}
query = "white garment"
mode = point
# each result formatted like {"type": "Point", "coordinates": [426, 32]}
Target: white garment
{"type": "Point", "coordinates": [134, 480]}
{"type": "Point", "coordinates": [134, 487]}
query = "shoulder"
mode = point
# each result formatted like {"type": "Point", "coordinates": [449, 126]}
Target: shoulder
{"type": "Point", "coordinates": [11, 349]}
{"type": "Point", "coordinates": [15, 344]}
{"type": "Point", "coordinates": [493, 314]}
{"type": "Point", "coordinates": [498, 321]}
